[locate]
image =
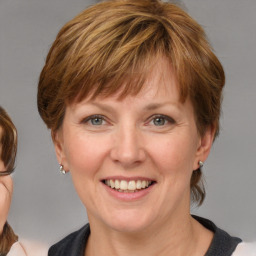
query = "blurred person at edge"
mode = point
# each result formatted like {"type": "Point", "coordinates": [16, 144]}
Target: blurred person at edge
{"type": "Point", "coordinates": [9, 244]}
{"type": "Point", "coordinates": [131, 91]}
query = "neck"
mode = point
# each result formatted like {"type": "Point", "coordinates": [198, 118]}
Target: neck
{"type": "Point", "coordinates": [182, 237]}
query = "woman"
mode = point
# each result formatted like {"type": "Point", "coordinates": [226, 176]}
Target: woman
{"type": "Point", "coordinates": [9, 244]}
{"type": "Point", "coordinates": [131, 91]}
{"type": "Point", "coordinates": [8, 148]}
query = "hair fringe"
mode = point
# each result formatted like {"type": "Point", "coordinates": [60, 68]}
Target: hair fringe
{"type": "Point", "coordinates": [8, 141]}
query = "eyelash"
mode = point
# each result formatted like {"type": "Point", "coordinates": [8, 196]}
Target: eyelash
{"type": "Point", "coordinates": [93, 117]}
{"type": "Point", "coordinates": [167, 119]}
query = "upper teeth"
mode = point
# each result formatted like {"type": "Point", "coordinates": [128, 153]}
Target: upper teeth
{"type": "Point", "coordinates": [128, 185]}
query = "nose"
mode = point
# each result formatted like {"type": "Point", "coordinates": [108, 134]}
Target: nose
{"type": "Point", "coordinates": [128, 149]}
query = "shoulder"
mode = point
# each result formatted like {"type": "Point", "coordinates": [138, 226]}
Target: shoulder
{"type": "Point", "coordinates": [245, 249]}
{"type": "Point", "coordinates": [16, 250]}
{"type": "Point", "coordinates": [73, 244]}
{"type": "Point", "coordinates": [28, 248]}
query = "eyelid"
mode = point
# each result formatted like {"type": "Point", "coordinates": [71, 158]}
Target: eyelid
{"type": "Point", "coordinates": [167, 118]}
{"type": "Point", "coordinates": [87, 119]}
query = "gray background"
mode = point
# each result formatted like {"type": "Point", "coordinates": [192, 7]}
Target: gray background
{"type": "Point", "coordinates": [45, 205]}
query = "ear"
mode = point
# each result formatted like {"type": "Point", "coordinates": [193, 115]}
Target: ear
{"type": "Point", "coordinates": [204, 146]}
{"type": "Point", "coordinates": [58, 141]}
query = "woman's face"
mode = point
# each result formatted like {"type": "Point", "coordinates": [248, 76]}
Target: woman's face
{"type": "Point", "coordinates": [131, 160]}
{"type": "Point", "coordinates": [6, 187]}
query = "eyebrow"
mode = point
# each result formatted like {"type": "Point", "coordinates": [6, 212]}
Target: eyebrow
{"type": "Point", "coordinates": [153, 106]}
{"type": "Point", "coordinates": [103, 106]}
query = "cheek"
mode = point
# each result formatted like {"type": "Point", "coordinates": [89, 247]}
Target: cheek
{"type": "Point", "coordinates": [174, 155]}
{"type": "Point", "coordinates": [85, 154]}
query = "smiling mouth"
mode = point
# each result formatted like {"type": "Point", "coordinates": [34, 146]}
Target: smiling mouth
{"type": "Point", "coordinates": [131, 186]}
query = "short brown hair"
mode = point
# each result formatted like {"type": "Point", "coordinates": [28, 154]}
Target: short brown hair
{"type": "Point", "coordinates": [111, 47]}
{"type": "Point", "coordinates": [8, 141]}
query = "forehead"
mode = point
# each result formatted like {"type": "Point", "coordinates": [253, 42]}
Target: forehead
{"type": "Point", "coordinates": [159, 78]}
{"type": "Point", "coordinates": [160, 82]}
{"type": "Point", "coordinates": [160, 88]}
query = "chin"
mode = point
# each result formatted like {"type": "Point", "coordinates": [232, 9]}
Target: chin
{"type": "Point", "coordinates": [129, 222]}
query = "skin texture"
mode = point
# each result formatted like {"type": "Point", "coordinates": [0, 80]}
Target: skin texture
{"type": "Point", "coordinates": [126, 140]}
{"type": "Point", "coordinates": [6, 188]}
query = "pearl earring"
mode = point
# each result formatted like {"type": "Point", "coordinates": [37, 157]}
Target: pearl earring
{"type": "Point", "coordinates": [62, 169]}
{"type": "Point", "coordinates": [201, 164]}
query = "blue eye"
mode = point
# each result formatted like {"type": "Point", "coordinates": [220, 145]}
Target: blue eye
{"type": "Point", "coordinates": [159, 121]}
{"type": "Point", "coordinates": [96, 121]}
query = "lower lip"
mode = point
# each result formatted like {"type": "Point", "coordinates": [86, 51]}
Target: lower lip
{"type": "Point", "coordinates": [133, 196]}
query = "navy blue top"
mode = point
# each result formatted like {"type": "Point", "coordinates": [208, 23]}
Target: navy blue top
{"type": "Point", "coordinates": [74, 244]}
